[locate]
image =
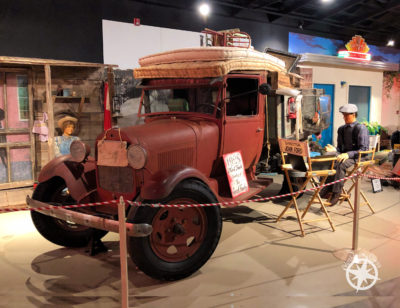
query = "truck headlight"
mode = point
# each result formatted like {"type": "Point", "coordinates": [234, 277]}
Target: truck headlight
{"type": "Point", "coordinates": [79, 151]}
{"type": "Point", "coordinates": [137, 156]}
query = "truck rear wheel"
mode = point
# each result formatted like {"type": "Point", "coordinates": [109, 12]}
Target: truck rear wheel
{"type": "Point", "coordinates": [55, 230]}
{"type": "Point", "coordinates": [183, 239]}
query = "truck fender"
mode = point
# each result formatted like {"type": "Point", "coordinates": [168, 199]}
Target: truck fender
{"type": "Point", "coordinates": [162, 183]}
{"type": "Point", "coordinates": [80, 178]}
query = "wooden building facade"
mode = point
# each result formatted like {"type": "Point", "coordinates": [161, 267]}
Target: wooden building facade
{"type": "Point", "coordinates": [34, 95]}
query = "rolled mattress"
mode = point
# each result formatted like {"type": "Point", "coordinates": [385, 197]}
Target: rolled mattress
{"type": "Point", "coordinates": [209, 54]}
{"type": "Point", "coordinates": [205, 62]}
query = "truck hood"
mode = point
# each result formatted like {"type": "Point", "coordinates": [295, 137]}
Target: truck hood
{"type": "Point", "coordinates": [172, 141]}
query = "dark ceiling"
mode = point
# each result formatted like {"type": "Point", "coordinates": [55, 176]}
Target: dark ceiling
{"type": "Point", "coordinates": [376, 20]}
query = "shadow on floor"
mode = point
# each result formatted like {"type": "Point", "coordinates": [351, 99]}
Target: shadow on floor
{"type": "Point", "coordinates": [243, 214]}
{"type": "Point", "coordinates": [70, 274]}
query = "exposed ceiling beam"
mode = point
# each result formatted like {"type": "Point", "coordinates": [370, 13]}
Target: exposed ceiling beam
{"type": "Point", "coordinates": [287, 9]}
{"type": "Point", "coordinates": [273, 12]}
{"type": "Point", "coordinates": [335, 10]}
{"type": "Point", "coordinates": [388, 7]}
{"type": "Point", "coordinates": [391, 21]}
{"type": "Point", "coordinates": [244, 3]}
{"type": "Point", "coordinates": [297, 17]}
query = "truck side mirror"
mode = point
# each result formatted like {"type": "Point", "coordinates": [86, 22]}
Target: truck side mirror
{"type": "Point", "coordinates": [265, 89]}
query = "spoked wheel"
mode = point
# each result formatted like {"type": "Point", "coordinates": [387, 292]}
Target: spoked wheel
{"type": "Point", "coordinates": [183, 239]}
{"type": "Point", "coordinates": [56, 230]}
{"type": "Point", "coordinates": [178, 233]}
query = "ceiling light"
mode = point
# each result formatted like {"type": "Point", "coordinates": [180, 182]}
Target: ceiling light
{"type": "Point", "coordinates": [204, 9]}
{"type": "Point", "coordinates": [390, 43]}
{"type": "Point", "coordinates": [326, 1]}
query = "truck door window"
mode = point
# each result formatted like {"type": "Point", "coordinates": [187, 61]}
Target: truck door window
{"type": "Point", "coordinates": [241, 96]}
{"type": "Point", "coordinates": [199, 99]}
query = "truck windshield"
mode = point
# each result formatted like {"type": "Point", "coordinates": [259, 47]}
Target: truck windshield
{"type": "Point", "coordinates": [199, 99]}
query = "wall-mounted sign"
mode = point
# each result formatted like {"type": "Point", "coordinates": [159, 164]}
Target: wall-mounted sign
{"type": "Point", "coordinates": [354, 55]}
{"type": "Point", "coordinates": [357, 49]}
{"type": "Point", "coordinates": [236, 174]}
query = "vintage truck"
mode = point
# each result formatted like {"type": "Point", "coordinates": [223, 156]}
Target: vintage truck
{"type": "Point", "coordinates": [198, 104]}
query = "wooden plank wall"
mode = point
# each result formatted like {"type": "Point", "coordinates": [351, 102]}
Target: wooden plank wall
{"type": "Point", "coordinates": [86, 82]}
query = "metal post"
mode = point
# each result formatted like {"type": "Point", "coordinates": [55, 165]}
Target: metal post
{"type": "Point", "coordinates": [356, 212]}
{"type": "Point", "coordinates": [123, 253]}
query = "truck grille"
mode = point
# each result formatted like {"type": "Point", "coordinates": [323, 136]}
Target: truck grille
{"type": "Point", "coordinates": [182, 157]}
{"type": "Point", "coordinates": [116, 179]}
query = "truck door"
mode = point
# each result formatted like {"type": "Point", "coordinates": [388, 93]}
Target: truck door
{"type": "Point", "coordinates": [244, 118]}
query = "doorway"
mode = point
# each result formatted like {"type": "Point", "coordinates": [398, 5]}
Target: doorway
{"type": "Point", "coordinates": [16, 140]}
{"type": "Point", "coordinates": [327, 134]}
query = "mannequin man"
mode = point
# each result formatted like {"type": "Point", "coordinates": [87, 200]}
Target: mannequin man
{"type": "Point", "coordinates": [352, 138]}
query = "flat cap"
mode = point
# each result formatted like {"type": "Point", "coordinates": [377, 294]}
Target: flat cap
{"type": "Point", "coordinates": [349, 108]}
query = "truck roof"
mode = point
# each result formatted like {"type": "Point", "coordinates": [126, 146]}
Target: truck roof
{"type": "Point", "coordinates": [204, 62]}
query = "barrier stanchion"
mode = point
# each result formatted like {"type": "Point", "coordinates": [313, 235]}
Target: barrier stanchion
{"type": "Point", "coordinates": [347, 254]}
{"type": "Point", "coordinates": [356, 215]}
{"type": "Point", "coordinates": [123, 253]}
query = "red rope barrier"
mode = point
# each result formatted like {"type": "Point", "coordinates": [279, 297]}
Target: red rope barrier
{"type": "Point", "coordinates": [156, 205]}
{"type": "Point", "coordinates": [136, 203]}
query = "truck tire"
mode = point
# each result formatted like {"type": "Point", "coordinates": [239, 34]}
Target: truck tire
{"type": "Point", "coordinates": [55, 230]}
{"type": "Point", "coordinates": [183, 239]}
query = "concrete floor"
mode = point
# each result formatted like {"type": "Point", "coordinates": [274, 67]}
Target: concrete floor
{"type": "Point", "coordinates": [258, 263]}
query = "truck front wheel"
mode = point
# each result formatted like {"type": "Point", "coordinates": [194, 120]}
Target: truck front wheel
{"type": "Point", "coordinates": [55, 230]}
{"type": "Point", "coordinates": [183, 239]}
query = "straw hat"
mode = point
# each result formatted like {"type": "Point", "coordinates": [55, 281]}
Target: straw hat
{"type": "Point", "coordinates": [61, 122]}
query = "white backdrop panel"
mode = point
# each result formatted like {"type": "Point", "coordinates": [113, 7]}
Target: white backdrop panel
{"type": "Point", "coordinates": [125, 43]}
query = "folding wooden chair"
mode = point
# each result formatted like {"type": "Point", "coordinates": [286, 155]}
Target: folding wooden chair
{"type": "Point", "coordinates": [315, 177]}
{"type": "Point", "coordinates": [361, 166]}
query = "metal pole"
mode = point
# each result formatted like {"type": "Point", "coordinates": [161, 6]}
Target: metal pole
{"type": "Point", "coordinates": [123, 253]}
{"type": "Point", "coordinates": [356, 212]}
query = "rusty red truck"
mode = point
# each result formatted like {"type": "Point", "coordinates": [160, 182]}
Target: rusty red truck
{"type": "Point", "coordinates": [198, 104]}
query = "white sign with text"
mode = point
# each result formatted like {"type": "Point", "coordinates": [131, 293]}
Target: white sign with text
{"type": "Point", "coordinates": [236, 174]}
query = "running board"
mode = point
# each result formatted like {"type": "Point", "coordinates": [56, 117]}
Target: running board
{"type": "Point", "coordinates": [136, 230]}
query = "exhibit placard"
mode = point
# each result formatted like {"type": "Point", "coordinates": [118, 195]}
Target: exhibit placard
{"type": "Point", "coordinates": [236, 174]}
{"type": "Point", "coordinates": [376, 185]}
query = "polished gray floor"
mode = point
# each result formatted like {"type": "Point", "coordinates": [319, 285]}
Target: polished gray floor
{"type": "Point", "coordinates": [258, 263]}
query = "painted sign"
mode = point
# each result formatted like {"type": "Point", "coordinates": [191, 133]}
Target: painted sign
{"type": "Point", "coordinates": [357, 49]}
{"type": "Point", "coordinates": [236, 174]}
{"type": "Point", "coordinates": [112, 153]}
{"type": "Point", "coordinates": [294, 147]}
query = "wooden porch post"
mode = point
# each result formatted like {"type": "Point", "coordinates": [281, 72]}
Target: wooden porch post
{"type": "Point", "coordinates": [50, 110]}
{"type": "Point", "coordinates": [110, 80]}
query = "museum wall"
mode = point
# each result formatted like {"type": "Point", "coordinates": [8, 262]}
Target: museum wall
{"type": "Point", "coordinates": [72, 30]}
{"type": "Point", "coordinates": [391, 101]}
{"type": "Point", "coordinates": [352, 77]}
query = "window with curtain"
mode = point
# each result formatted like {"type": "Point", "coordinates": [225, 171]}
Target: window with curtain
{"type": "Point", "coordinates": [23, 99]}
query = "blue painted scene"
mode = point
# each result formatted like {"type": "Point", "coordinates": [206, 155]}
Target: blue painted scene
{"type": "Point", "coordinates": [302, 43]}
